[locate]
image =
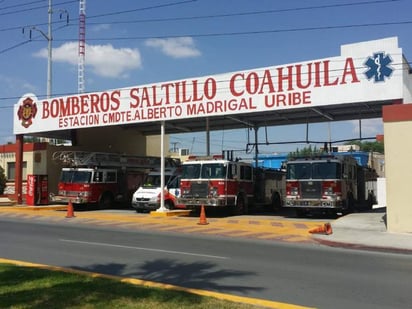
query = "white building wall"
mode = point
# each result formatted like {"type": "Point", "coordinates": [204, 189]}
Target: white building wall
{"type": "Point", "coordinates": [398, 174]}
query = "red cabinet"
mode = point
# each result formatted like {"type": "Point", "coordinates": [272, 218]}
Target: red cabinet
{"type": "Point", "coordinates": [37, 190]}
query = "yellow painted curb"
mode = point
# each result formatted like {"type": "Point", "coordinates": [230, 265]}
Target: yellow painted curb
{"type": "Point", "coordinates": [222, 296]}
{"type": "Point", "coordinates": [39, 207]}
{"type": "Point", "coordinates": [170, 213]}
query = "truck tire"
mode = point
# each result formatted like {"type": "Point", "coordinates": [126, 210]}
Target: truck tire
{"type": "Point", "coordinates": [276, 202]}
{"type": "Point", "coordinates": [370, 201]}
{"type": "Point", "coordinates": [241, 207]}
{"type": "Point", "coordinates": [349, 204]}
{"type": "Point", "coordinates": [105, 201]}
{"type": "Point", "coordinates": [169, 205]}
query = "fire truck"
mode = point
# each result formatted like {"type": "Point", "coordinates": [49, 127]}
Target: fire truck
{"type": "Point", "coordinates": [100, 178]}
{"type": "Point", "coordinates": [219, 182]}
{"type": "Point", "coordinates": [328, 183]}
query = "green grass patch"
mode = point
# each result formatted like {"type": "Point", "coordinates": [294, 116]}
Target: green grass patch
{"type": "Point", "coordinates": [28, 287]}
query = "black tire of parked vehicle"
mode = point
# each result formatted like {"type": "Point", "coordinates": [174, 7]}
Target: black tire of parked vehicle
{"type": "Point", "coordinates": [276, 202]}
{"type": "Point", "coordinates": [169, 205]}
{"type": "Point", "coordinates": [349, 204]}
{"type": "Point", "coordinates": [241, 208]}
{"type": "Point", "coordinates": [105, 201]}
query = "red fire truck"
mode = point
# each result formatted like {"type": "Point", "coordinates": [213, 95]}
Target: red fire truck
{"type": "Point", "coordinates": [329, 183]}
{"type": "Point", "coordinates": [101, 178]}
{"type": "Point", "coordinates": [219, 182]}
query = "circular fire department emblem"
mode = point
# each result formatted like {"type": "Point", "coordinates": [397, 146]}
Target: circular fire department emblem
{"type": "Point", "coordinates": [27, 111]}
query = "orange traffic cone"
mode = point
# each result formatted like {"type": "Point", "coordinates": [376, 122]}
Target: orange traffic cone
{"type": "Point", "coordinates": [203, 220]}
{"type": "Point", "coordinates": [70, 211]}
{"type": "Point", "coordinates": [324, 229]}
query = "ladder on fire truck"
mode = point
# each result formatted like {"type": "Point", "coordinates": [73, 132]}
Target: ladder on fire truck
{"type": "Point", "coordinates": [107, 159]}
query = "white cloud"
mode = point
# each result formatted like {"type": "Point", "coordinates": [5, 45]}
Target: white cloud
{"type": "Point", "coordinates": [13, 85]}
{"type": "Point", "coordinates": [100, 27]}
{"type": "Point", "coordinates": [105, 60]}
{"type": "Point", "coordinates": [175, 47]}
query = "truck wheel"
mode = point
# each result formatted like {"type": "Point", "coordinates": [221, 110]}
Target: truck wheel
{"type": "Point", "coordinates": [241, 207]}
{"type": "Point", "coordinates": [349, 204]}
{"type": "Point", "coordinates": [276, 202]}
{"type": "Point", "coordinates": [169, 205]}
{"type": "Point", "coordinates": [105, 201]}
{"type": "Point", "coordinates": [370, 201]}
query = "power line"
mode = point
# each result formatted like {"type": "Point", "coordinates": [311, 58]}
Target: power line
{"type": "Point", "coordinates": [219, 34]}
{"type": "Point", "coordinates": [216, 34]}
{"type": "Point", "coordinates": [238, 14]}
{"type": "Point", "coordinates": [14, 46]}
{"type": "Point", "coordinates": [20, 5]}
{"type": "Point", "coordinates": [216, 16]}
{"type": "Point", "coordinates": [33, 25]}
{"type": "Point", "coordinates": [35, 39]}
{"type": "Point", "coordinates": [34, 8]}
{"type": "Point", "coordinates": [144, 9]}
{"type": "Point", "coordinates": [105, 14]}
{"type": "Point", "coordinates": [208, 16]}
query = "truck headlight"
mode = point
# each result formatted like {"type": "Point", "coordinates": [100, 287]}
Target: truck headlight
{"type": "Point", "coordinates": [83, 194]}
{"type": "Point", "coordinates": [213, 192]}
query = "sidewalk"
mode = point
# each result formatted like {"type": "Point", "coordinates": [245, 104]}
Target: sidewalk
{"type": "Point", "coordinates": [4, 201]}
{"type": "Point", "coordinates": [366, 231]}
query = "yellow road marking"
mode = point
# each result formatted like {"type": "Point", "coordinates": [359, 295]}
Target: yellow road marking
{"type": "Point", "coordinates": [281, 229]}
{"type": "Point", "coordinates": [222, 296]}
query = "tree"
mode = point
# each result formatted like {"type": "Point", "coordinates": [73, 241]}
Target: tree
{"type": "Point", "coordinates": [306, 151]}
{"type": "Point", "coordinates": [3, 180]}
{"type": "Point", "coordinates": [369, 146]}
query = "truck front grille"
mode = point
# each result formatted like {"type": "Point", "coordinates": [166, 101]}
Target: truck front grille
{"type": "Point", "coordinates": [198, 190]}
{"type": "Point", "coordinates": [310, 189]}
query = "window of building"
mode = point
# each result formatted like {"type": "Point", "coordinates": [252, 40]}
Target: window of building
{"type": "Point", "coordinates": [11, 171]}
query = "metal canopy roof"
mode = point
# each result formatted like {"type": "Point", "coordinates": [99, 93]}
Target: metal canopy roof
{"type": "Point", "coordinates": [336, 112]}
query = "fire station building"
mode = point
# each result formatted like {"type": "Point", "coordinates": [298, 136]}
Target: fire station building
{"type": "Point", "coordinates": [367, 80]}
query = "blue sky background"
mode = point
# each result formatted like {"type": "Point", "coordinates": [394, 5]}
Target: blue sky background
{"type": "Point", "coordinates": [149, 41]}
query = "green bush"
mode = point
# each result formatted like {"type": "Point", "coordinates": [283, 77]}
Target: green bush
{"type": "Point", "coordinates": [2, 180]}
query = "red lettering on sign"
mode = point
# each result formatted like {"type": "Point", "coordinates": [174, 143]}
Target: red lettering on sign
{"type": "Point", "coordinates": [81, 105]}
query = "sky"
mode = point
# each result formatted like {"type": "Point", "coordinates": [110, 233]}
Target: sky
{"type": "Point", "coordinates": [150, 41]}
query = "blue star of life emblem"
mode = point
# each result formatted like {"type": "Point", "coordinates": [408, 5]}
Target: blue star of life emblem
{"type": "Point", "coordinates": [378, 67]}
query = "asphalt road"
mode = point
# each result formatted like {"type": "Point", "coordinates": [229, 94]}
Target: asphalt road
{"type": "Point", "coordinates": [304, 274]}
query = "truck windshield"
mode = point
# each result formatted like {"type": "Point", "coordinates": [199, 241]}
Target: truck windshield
{"type": "Point", "coordinates": [75, 176]}
{"type": "Point", "coordinates": [191, 171]}
{"type": "Point", "coordinates": [315, 170]}
{"type": "Point", "coordinates": [213, 171]}
{"type": "Point", "coordinates": [298, 171]}
{"type": "Point", "coordinates": [326, 170]}
{"type": "Point", "coordinates": [205, 171]}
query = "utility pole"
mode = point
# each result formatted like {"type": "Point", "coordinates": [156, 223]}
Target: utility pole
{"type": "Point", "coordinates": [49, 38]}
